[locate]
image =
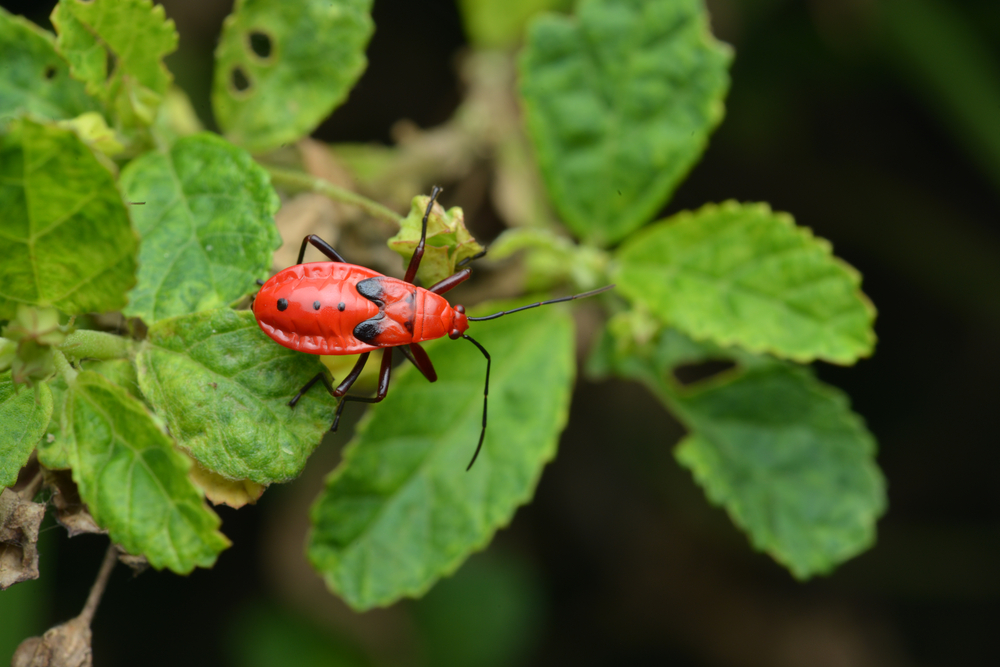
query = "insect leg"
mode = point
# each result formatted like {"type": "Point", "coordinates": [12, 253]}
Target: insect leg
{"type": "Point", "coordinates": [419, 358]}
{"type": "Point", "coordinates": [351, 377]}
{"type": "Point", "coordinates": [450, 282]}
{"type": "Point", "coordinates": [481, 253]}
{"type": "Point", "coordinates": [319, 376]}
{"type": "Point", "coordinates": [486, 395]}
{"type": "Point", "coordinates": [322, 246]}
{"type": "Point", "coordinates": [418, 254]}
{"type": "Point", "coordinates": [383, 388]}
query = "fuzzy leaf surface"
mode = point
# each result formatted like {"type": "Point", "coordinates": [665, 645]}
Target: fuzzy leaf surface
{"type": "Point", "coordinates": [620, 101]}
{"type": "Point", "coordinates": [23, 419]}
{"type": "Point", "coordinates": [401, 511]}
{"type": "Point", "coordinates": [134, 481]}
{"type": "Point", "coordinates": [740, 274]}
{"type": "Point", "coordinates": [282, 67]}
{"type": "Point", "coordinates": [35, 78]}
{"type": "Point", "coordinates": [207, 226]}
{"type": "Point", "coordinates": [790, 462]}
{"type": "Point", "coordinates": [223, 388]}
{"type": "Point", "coordinates": [65, 231]}
{"type": "Point", "coordinates": [132, 36]}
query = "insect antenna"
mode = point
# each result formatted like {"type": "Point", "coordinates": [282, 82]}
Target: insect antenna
{"type": "Point", "coordinates": [486, 395]}
{"type": "Point", "coordinates": [540, 303]}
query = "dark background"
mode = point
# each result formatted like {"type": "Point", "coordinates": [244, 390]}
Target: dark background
{"type": "Point", "coordinates": [877, 127]}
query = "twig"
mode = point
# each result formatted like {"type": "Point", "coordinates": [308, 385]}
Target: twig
{"type": "Point", "coordinates": [94, 599]}
{"type": "Point", "coordinates": [302, 181]}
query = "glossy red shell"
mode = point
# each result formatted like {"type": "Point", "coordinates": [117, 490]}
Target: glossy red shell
{"type": "Point", "coordinates": [408, 314]}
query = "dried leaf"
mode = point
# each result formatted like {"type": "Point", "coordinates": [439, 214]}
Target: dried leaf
{"type": "Point", "coordinates": [71, 512]}
{"type": "Point", "coordinates": [19, 522]}
{"type": "Point", "coordinates": [66, 645]}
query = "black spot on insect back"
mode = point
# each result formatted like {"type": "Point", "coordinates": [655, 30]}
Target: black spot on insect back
{"type": "Point", "coordinates": [282, 304]}
{"type": "Point", "coordinates": [341, 306]}
{"type": "Point", "coordinates": [316, 305]}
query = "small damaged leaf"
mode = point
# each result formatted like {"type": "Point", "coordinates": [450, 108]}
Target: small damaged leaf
{"type": "Point", "coordinates": [19, 522]}
{"type": "Point", "coordinates": [282, 67]}
{"type": "Point", "coordinates": [448, 241]}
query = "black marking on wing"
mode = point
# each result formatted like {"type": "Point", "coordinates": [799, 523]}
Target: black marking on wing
{"type": "Point", "coordinates": [371, 289]}
{"type": "Point", "coordinates": [370, 329]}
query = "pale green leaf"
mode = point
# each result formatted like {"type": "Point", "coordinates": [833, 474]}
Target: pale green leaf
{"type": "Point", "coordinates": [65, 231]}
{"type": "Point", "coordinates": [620, 101]}
{"type": "Point", "coordinates": [282, 67]}
{"type": "Point", "coordinates": [790, 463]}
{"type": "Point", "coordinates": [24, 414]}
{"type": "Point", "coordinates": [207, 226]}
{"type": "Point", "coordinates": [740, 274]}
{"type": "Point", "coordinates": [35, 78]}
{"type": "Point", "coordinates": [133, 480]}
{"type": "Point", "coordinates": [401, 511]}
{"type": "Point", "coordinates": [448, 241]}
{"type": "Point", "coordinates": [223, 388]}
{"type": "Point", "coordinates": [116, 47]}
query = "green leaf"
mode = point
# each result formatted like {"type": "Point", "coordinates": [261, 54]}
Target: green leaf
{"type": "Point", "coordinates": [53, 452]}
{"type": "Point", "coordinates": [207, 226]}
{"type": "Point", "coordinates": [133, 480]}
{"type": "Point", "coordinates": [66, 234]}
{"type": "Point", "coordinates": [790, 462]}
{"type": "Point", "coordinates": [127, 37]}
{"type": "Point", "coordinates": [742, 275]}
{"type": "Point", "coordinates": [223, 388]}
{"type": "Point", "coordinates": [492, 24]}
{"type": "Point", "coordinates": [401, 511]}
{"type": "Point", "coordinates": [282, 67]}
{"type": "Point", "coordinates": [24, 414]}
{"type": "Point", "coordinates": [619, 102]}
{"type": "Point", "coordinates": [448, 241]}
{"type": "Point", "coordinates": [35, 78]}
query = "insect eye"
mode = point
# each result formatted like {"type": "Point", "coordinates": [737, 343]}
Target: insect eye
{"type": "Point", "coordinates": [282, 304]}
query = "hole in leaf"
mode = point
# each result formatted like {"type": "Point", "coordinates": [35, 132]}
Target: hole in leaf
{"type": "Point", "coordinates": [691, 373]}
{"type": "Point", "coordinates": [50, 72]}
{"type": "Point", "coordinates": [111, 63]}
{"type": "Point", "coordinates": [240, 80]}
{"type": "Point", "coordinates": [260, 43]}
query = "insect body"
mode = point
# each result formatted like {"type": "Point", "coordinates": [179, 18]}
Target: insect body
{"type": "Point", "coordinates": [339, 308]}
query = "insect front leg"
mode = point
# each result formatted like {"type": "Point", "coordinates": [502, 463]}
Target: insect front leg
{"type": "Point", "coordinates": [418, 254]}
{"type": "Point", "coordinates": [320, 245]}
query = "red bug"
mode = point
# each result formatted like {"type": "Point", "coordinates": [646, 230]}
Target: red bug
{"type": "Point", "coordinates": [339, 308]}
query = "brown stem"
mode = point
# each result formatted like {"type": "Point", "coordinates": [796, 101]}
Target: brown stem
{"type": "Point", "coordinates": [303, 181]}
{"type": "Point", "coordinates": [94, 599]}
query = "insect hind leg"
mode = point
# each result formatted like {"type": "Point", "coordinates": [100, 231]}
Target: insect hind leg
{"type": "Point", "coordinates": [383, 388]}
